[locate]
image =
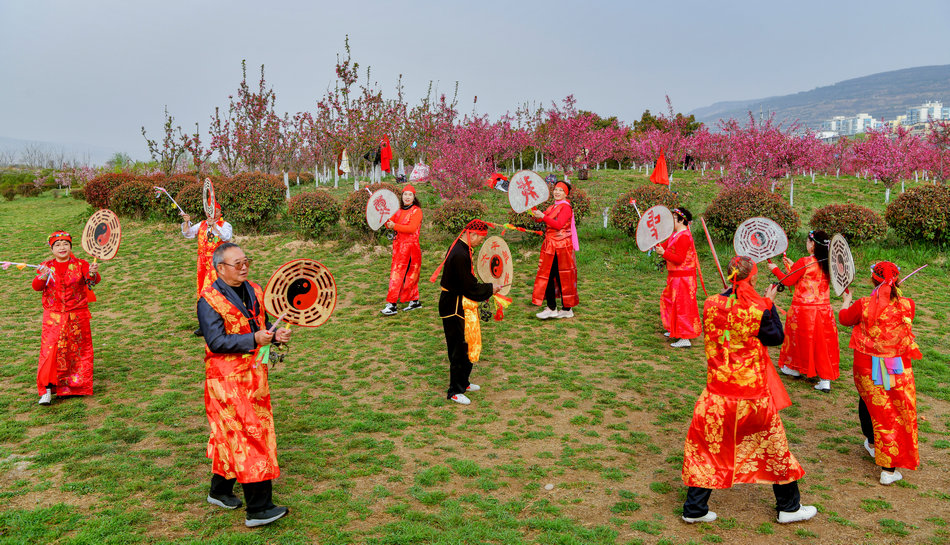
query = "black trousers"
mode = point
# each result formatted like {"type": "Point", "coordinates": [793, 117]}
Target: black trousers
{"type": "Point", "coordinates": [867, 426]}
{"type": "Point", "coordinates": [549, 293]}
{"type": "Point", "coordinates": [787, 499]}
{"type": "Point", "coordinates": [257, 496]}
{"type": "Point", "coordinates": [460, 367]}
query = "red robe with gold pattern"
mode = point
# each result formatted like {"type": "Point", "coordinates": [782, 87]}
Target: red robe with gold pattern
{"type": "Point", "coordinates": [66, 354]}
{"type": "Point", "coordinates": [407, 256]}
{"type": "Point", "coordinates": [678, 309]}
{"type": "Point", "coordinates": [736, 435]}
{"type": "Point", "coordinates": [206, 247]}
{"type": "Point", "coordinates": [243, 443]}
{"type": "Point", "coordinates": [557, 241]}
{"type": "Point", "coordinates": [893, 412]}
{"type": "Point", "coordinates": [811, 334]}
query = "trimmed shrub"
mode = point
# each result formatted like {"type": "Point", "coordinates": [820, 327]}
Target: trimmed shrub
{"type": "Point", "coordinates": [354, 206]}
{"type": "Point", "coordinates": [305, 177]}
{"type": "Point", "coordinates": [923, 214]}
{"type": "Point", "coordinates": [734, 205]}
{"type": "Point", "coordinates": [8, 192]}
{"type": "Point", "coordinates": [313, 212]}
{"type": "Point", "coordinates": [580, 203]}
{"type": "Point", "coordinates": [251, 200]}
{"type": "Point", "coordinates": [455, 214]}
{"type": "Point", "coordinates": [135, 199]}
{"type": "Point", "coordinates": [189, 198]}
{"type": "Point", "coordinates": [78, 193]}
{"type": "Point", "coordinates": [624, 215]}
{"type": "Point", "coordinates": [28, 189]}
{"type": "Point", "coordinates": [99, 189]}
{"type": "Point", "coordinates": [856, 223]}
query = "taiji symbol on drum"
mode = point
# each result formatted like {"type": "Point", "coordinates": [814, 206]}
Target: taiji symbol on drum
{"type": "Point", "coordinates": [495, 266]}
{"type": "Point", "coordinates": [301, 294]}
{"type": "Point", "coordinates": [757, 239]}
{"type": "Point", "coordinates": [102, 233]}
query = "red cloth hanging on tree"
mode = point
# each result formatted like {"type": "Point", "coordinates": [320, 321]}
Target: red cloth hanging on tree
{"type": "Point", "coordinates": [386, 154]}
{"type": "Point", "coordinates": [660, 174]}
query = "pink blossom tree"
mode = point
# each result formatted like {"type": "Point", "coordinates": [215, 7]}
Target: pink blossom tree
{"type": "Point", "coordinates": [884, 155]}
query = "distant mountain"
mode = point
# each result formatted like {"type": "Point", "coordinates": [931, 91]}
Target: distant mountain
{"type": "Point", "coordinates": [73, 152]}
{"type": "Point", "coordinates": [884, 95]}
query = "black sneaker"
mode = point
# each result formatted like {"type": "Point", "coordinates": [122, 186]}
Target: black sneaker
{"type": "Point", "coordinates": [265, 517]}
{"type": "Point", "coordinates": [198, 333]}
{"type": "Point", "coordinates": [413, 305]}
{"type": "Point", "coordinates": [229, 501]}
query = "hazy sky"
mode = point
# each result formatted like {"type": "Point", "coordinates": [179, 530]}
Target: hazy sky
{"type": "Point", "coordinates": [95, 71]}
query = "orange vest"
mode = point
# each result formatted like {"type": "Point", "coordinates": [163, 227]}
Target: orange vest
{"type": "Point", "coordinates": [812, 288]}
{"type": "Point", "coordinates": [235, 323]}
{"type": "Point", "coordinates": [689, 263]}
{"type": "Point", "coordinates": [890, 335]}
{"type": "Point", "coordinates": [206, 247]}
{"type": "Point", "coordinates": [736, 358]}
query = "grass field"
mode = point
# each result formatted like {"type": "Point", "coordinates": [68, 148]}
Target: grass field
{"type": "Point", "coordinates": [576, 437]}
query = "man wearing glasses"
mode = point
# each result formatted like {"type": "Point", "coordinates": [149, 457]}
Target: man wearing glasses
{"type": "Point", "coordinates": [243, 444]}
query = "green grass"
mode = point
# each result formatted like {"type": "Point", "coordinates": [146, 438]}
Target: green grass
{"type": "Point", "coordinates": [371, 452]}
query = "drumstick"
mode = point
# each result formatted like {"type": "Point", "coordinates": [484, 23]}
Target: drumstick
{"type": "Point", "coordinates": [273, 326]}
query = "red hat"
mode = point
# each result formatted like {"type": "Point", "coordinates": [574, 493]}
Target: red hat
{"type": "Point", "coordinates": [409, 188]}
{"type": "Point", "coordinates": [565, 186]}
{"type": "Point", "coordinates": [477, 226]}
{"type": "Point", "coordinates": [60, 235]}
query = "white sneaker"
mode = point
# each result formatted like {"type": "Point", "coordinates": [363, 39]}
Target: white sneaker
{"type": "Point", "coordinates": [804, 512]}
{"type": "Point", "coordinates": [869, 447]}
{"type": "Point", "coordinates": [546, 313]}
{"type": "Point", "coordinates": [682, 343]}
{"type": "Point", "coordinates": [666, 333]}
{"type": "Point", "coordinates": [46, 398]}
{"type": "Point", "coordinates": [890, 478]}
{"type": "Point", "coordinates": [461, 399]}
{"type": "Point", "coordinates": [565, 313]}
{"type": "Point", "coordinates": [413, 305]}
{"type": "Point", "coordinates": [708, 517]}
{"type": "Point", "coordinates": [823, 386]}
{"type": "Point", "coordinates": [389, 309]}
{"type": "Point", "coordinates": [786, 370]}
{"type": "Point", "coordinates": [473, 387]}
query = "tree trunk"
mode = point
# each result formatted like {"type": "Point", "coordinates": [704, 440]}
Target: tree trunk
{"type": "Point", "coordinates": [606, 210]}
{"type": "Point", "coordinates": [287, 184]}
{"type": "Point", "coordinates": [887, 195]}
{"type": "Point", "coordinates": [791, 192]}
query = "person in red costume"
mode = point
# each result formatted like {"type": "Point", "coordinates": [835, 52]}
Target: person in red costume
{"type": "Point", "coordinates": [211, 233]}
{"type": "Point", "coordinates": [65, 364]}
{"type": "Point", "coordinates": [407, 254]}
{"type": "Point", "coordinates": [736, 435]}
{"type": "Point", "coordinates": [557, 270]}
{"type": "Point", "coordinates": [811, 336]}
{"type": "Point", "coordinates": [884, 345]}
{"type": "Point", "coordinates": [678, 309]}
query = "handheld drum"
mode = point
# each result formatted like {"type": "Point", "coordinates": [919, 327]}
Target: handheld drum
{"type": "Point", "coordinates": [495, 264]}
{"type": "Point", "coordinates": [759, 239]}
{"type": "Point", "coordinates": [527, 189]}
{"type": "Point", "coordinates": [301, 291]}
{"type": "Point", "coordinates": [102, 234]}
{"type": "Point", "coordinates": [207, 198]}
{"type": "Point", "coordinates": [655, 226]}
{"type": "Point", "coordinates": [842, 264]}
{"type": "Point", "coordinates": [380, 208]}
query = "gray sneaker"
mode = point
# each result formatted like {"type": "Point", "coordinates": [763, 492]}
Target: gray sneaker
{"type": "Point", "coordinates": [413, 305]}
{"type": "Point", "coordinates": [46, 398]}
{"type": "Point", "coordinates": [389, 309]}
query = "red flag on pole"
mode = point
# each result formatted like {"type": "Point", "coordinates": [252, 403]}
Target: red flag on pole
{"type": "Point", "coordinates": [660, 174]}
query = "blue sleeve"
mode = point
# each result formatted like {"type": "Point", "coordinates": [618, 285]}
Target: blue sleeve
{"type": "Point", "coordinates": [219, 342]}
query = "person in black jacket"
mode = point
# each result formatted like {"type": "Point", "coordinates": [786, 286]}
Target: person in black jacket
{"type": "Point", "coordinates": [458, 308]}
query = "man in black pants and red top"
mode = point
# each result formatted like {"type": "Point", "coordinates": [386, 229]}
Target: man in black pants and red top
{"type": "Point", "coordinates": [458, 285]}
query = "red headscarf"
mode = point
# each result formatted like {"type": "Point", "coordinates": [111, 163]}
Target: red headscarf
{"type": "Point", "coordinates": [409, 188]}
{"type": "Point", "coordinates": [743, 289]}
{"type": "Point", "coordinates": [565, 187]}
{"type": "Point", "coordinates": [888, 276]}
{"type": "Point", "coordinates": [59, 235]}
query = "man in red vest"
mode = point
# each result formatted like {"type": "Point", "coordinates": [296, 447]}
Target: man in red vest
{"type": "Point", "coordinates": [210, 233]}
{"type": "Point", "coordinates": [243, 444]}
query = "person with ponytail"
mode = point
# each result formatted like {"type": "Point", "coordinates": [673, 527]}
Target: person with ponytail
{"type": "Point", "coordinates": [811, 335]}
{"type": "Point", "coordinates": [678, 309]}
{"type": "Point", "coordinates": [557, 270]}
{"type": "Point", "coordinates": [66, 355]}
{"type": "Point", "coordinates": [736, 435]}
{"type": "Point", "coordinates": [407, 254]}
{"type": "Point", "coordinates": [884, 345]}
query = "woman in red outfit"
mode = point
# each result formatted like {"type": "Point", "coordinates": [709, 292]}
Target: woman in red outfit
{"type": "Point", "coordinates": [678, 308]}
{"type": "Point", "coordinates": [557, 270]}
{"type": "Point", "coordinates": [811, 336]}
{"type": "Point", "coordinates": [407, 254]}
{"type": "Point", "coordinates": [65, 365]}
{"type": "Point", "coordinates": [884, 346]}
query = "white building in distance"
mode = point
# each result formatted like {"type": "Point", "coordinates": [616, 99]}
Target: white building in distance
{"type": "Point", "coordinates": [850, 126]}
{"type": "Point", "coordinates": [927, 111]}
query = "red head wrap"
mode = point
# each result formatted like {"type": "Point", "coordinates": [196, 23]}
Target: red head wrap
{"type": "Point", "coordinates": [60, 235]}
{"type": "Point", "coordinates": [409, 188]}
{"type": "Point", "coordinates": [477, 226]}
{"type": "Point", "coordinates": [887, 275]}
{"type": "Point", "coordinates": [743, 289]}
{"type": "Point", "coordinates": [564, 186]}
